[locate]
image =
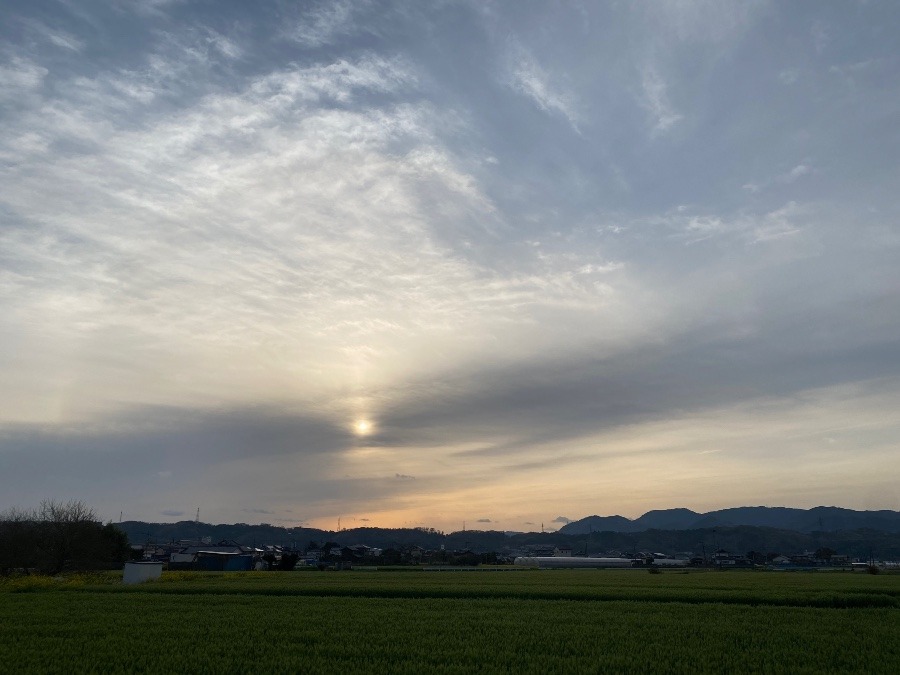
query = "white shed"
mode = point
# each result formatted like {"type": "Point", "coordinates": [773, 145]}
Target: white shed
{"type": "Point", "coordinates": [136, 572]}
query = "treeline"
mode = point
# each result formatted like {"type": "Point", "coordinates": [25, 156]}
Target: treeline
{"type": "Point", "coordinates": [57, 537]}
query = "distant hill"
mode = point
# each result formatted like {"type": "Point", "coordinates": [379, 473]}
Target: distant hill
{"type": "Point", "coordinates": [742, 538]}
{"type": "Point", "coordinates": [805, 521]}
{"type": "Point", "coordinates": [818, 519]}
{"type": "Point", "coordinates": [667, 519]}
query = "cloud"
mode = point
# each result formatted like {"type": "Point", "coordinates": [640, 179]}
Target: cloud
{"type": "Point", "coordinates": [219, 251]}
{"type": "Point", "coordinates": [797, 172]}
{"type": "Point", "coordinates": [148, 8]}
{"type": "Point", "coordinates": [358, 198]}
{"type": "Point", "coordinates": [789, 177]}
{"type": "Point", "coordinates": [171, 513]}
{"type": "Point", "coordinates": [527, 77]}
{"type": "Point", "coordinates": [403, 476]}
{"type": "Point", "coordinates": [789, 76]}
{"type": "Point", "coordinates": [484, 520]}
{"type": "Point", "coordinates": [258, 511]}
{"type": "Point", "coordinates": [780, 223]}
{"type": "Point", "coordinates": [703, 20]}
{"type": "Point", "coordinates": [655, 100]}
{"type": "Point", "coordinates": [743, 229]}
{"type": "Point", "coordinates": [225, 46]}
{"type": "Point", "coordinates": [323, 23]}
{"type": "Point", "coordinates": [20, 76]}
{"type": "Point", "coordinates": [820, 34]}
{"type": "Point", "coordinates": [561, 519]}
{"type": "Point", "coordinates": [58, 38]}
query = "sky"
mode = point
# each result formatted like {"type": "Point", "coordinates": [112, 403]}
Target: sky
{"type": "Point", "coordinates": [501, 264]}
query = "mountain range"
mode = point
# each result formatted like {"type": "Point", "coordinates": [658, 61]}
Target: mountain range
{"type": "Point", "coordinates": [818, 519]}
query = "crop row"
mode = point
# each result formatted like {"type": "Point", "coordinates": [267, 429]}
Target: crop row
{"type": "Point", "coordinates": [783, 590]}
{"type": "Point", "coordinates": [144, 632]}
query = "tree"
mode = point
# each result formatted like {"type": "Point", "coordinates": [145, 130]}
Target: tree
{"type": "Point", "coordinates": [67, 531]}
{"type": "Point", "coordinates": [825, 553]}
{"type": "Point", "coordinates": [59, 536]}
{"type": "Point", "coordinates": [17, 540]}
{"type": "Point", "coordinates": [288, 561]}
{"type": "Point", "coordinates": [391, 556]}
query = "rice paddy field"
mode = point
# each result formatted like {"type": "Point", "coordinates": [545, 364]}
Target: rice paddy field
{"type": "Point", "coordinates": [535, 621]}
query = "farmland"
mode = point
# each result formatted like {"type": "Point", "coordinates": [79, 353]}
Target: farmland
{"type": "Point", "coordinates": [534, 621]}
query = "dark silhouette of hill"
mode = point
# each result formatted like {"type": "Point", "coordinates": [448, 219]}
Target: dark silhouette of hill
{"type": "Point", "coordinates": [668, 519]}
{"type": "Point", "coordinates": [857, 543]}
{"type": "Point", "coordinates": [818, 519]}
{"type": "Point", "coordinates": [853, 541]}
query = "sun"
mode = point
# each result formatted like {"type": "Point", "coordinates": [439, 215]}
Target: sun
{"type": "Point", "coordinates": [362, 427]}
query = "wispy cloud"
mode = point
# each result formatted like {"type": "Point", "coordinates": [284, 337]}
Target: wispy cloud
{"type": "Point", "coordinates": [322, 23]}
{"type": "Point", "coordinates": [788, 177]}
{"type": "Point", "coordinates": [778, 224]}
{"type": "Point", "coordinates": [789, 76]}
{"type": "Point", "coordinates": [655, 100]}
{"type": "Point", "coordinates": [797, 172]}
{"type": "Point", "coordinates": [55, 36]}
{"type": "Point", "coordinates": [821, 36]}
{"type": "Point", "coordinates": [20, 76]}
{"type": "Point", "coordinates": [529, 78]}
{"type": "Point", "coordinates": [746, 228]}
{"type": "Point", "coordinates": [702, 20]}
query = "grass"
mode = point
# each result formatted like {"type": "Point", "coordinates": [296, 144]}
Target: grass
{"type": "Point", "coordinates": [534, 621]}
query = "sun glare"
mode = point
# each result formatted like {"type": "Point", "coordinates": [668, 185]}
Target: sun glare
{"type": "Point", "coordinates": [362, 427]}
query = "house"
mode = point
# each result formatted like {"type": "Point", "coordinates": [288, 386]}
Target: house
{"type": "Point", "coordinates": [224, 556]}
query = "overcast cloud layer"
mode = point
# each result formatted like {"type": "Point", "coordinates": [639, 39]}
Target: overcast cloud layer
{"type": "Point", "coordinates": [421, 263]}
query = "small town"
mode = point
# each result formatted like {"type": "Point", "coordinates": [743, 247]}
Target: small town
{"type": "Point", "coordinates": [233, 556]}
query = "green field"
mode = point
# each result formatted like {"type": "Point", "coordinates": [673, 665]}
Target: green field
{"type": "Point", "coordinates": [454, 622]}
